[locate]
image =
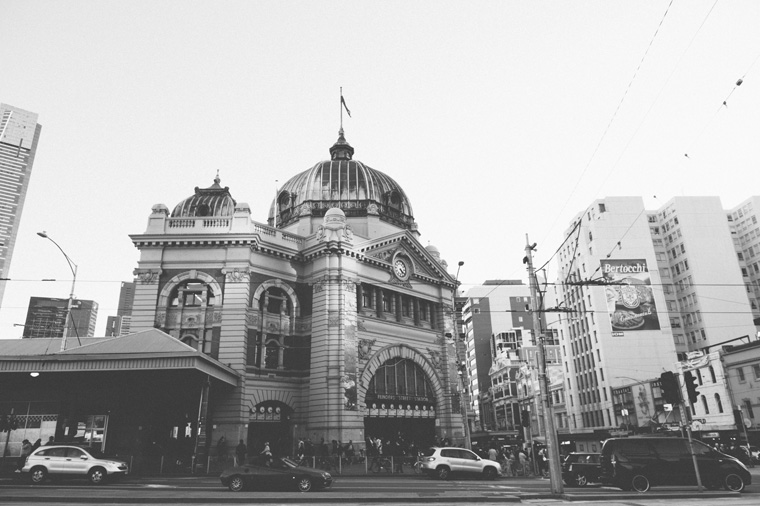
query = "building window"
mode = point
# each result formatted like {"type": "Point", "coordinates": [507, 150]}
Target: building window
{"type": "Point", "coordinates": [704, 405]}
{"type": "Point", "coordinates": [740, 370]}
{"type": "Point", "coordinates": [386, 303]}
{"type": "Point", "coordinates": [367, 297]}
{"type": "Point", "coordinates": [748, 406]}
{"type": "Point", "coordinates": [719, 403]}
{"type": "Point", "coordinates": [712, 374]}
{"type": "Point", "coordinates": [756, 370]}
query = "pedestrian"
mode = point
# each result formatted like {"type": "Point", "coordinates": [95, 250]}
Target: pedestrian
{"type": "Point", "coordinates": [240, 451]}
{"type": "Point", "coordinates": [510, 468]}
{"type": "Point", "coordinates": [523, 462]}
{"type": "Point", "coordinates": [50, 441]}
{"type": "Point", "coordinates": [26, 449]}
{"type": "Point", "coordinates": [266, 454]}
{"type": "Point", "coordinates": [492, 454]}
{"type": "Point", "coordinates": [221, 449]}
{"type": "Point", "coordinates": [37, 444]}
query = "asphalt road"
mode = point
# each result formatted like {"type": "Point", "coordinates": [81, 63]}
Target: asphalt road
{"type": "Point", "coordinates": [376, 489]}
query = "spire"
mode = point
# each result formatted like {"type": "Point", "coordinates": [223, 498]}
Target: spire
{"type": "Point", "coordinates": [341, 150]}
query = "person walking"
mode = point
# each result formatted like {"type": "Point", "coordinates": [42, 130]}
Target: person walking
{"type": "Point", "coordinates": [240, 451]}
{"type": "Point", "coordinates": [266, 454]}
{"type": "Point", "coordinates": [221, 449]}
{"type": "Point", "coordinates": [26, 449]}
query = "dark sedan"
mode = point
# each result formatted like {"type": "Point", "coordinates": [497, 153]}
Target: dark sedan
{"type": "Point", "coordinates": [579, 469]}
{"type": "Point", "coordinates": [281, 474]}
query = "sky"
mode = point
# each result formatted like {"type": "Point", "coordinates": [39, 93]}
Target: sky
{"type": "Point", "coordinates": [500, 120]}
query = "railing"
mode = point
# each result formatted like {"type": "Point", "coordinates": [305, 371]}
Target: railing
{"type": "Point", "coordinates": [338, 465]}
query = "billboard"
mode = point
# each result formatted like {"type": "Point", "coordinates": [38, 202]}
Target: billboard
{"type": "Point", "coordinates": [630, 299]}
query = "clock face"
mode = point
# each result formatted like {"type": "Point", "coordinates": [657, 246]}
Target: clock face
{"type": "Point", "coordinates": [401, 268]}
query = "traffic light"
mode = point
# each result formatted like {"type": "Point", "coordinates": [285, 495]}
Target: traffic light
{"type": "Point", "coordinates": [8, 423]}
{"type": "Point", "coordinates": [671, 392]}
{"type": "Point", "coordinates": [691, 386]}
{"type": "Point", "coordinates": [525, 418]}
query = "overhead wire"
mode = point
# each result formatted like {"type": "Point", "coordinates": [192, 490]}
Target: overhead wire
{"type": "Point", "coordinates": [614, 115]}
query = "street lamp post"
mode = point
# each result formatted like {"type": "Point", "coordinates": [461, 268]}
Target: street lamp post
{"type": "Point", "coordinates": [70, 303]}
{"type": "Point", "coordinates": [460, 363]}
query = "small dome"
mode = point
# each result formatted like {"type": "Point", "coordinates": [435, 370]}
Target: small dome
{"type": "Point", "coordinates": [434, 252]}
{"type": "Point", "coordinates": [211, 201]}
{"type": "Point", "coordinates": [344, 183]}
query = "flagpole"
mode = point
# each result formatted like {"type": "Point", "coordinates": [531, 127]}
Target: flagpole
{"type": "Point", "coordinates": [276, 203]}
{"type": "Point", "coordinates": [340, 105]}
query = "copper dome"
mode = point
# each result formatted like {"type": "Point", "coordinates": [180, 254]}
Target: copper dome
{"type": "Point", "coordinates": [211, 201]}
{"type": "Point", "coordinates": [344, 183]}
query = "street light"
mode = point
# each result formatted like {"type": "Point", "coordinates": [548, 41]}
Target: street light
{"type": "Point", "coordinates": [70, 303]}
{"type": "Point", "coordinates": [460, 372]}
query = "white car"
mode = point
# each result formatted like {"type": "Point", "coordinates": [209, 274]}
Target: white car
{"type": "Point", "coordinates": [443, 462]}
{"type": "Point", "coordinates": [68, 461]}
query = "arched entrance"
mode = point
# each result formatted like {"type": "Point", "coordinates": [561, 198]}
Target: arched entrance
{"type": "Point", "coordinates": [400, 401]}
{"type": "Point", "coordinates": [270, 422]}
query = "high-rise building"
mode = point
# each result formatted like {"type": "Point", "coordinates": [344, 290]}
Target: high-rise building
{"type": "Point", "coordinates": [121, 323]}
{"type": "Point", "coordinates": [46, 317]}
{"type": "Point", "coordinates": [646, 289]}
{"type": "Point", "coordinates": [19, 134]}
{"type": "Point", "coordinates": [495, 316]}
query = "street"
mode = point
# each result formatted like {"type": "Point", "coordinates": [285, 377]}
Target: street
{"type": "Point", "coordinates": [396, 489]}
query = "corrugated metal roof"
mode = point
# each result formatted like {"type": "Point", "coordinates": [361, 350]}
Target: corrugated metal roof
{"type": "Point", "coordinates": [146, 341]}
{"type": "Point", "coordinates": [148, 349]}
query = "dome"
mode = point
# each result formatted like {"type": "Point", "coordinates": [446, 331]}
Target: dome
{"type": "Point", "coordinates": [344, 183]}
{"type": "Point", "coordinates": [211, 201]}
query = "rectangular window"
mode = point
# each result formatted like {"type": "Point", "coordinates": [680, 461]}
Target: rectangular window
{"type": "Point", "coordinates": [740, 371]}
{"type": "Point", "coordinates": [386, 303]}
{"type": "Point", "coordinates": [756, 370]}
{"type": "Point", "coordinates": [748, 407]}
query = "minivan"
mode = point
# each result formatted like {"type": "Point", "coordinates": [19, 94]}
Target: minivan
{"type": "Point", "coordinates": [638, 463]}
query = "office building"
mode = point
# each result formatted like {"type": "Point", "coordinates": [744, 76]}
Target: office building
{"type": "Point", "coordinates": [46, 318]}
{"type": "Point", "coordinates": [495, 317]}
{"type": "Point", "coordinates": [646, 290]}
{"type": "Point", "coordinates": [19, 134]}
{"type": "Point", "coordinates": [121, 323]}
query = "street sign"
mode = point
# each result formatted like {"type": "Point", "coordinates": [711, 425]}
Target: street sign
{"type": "Point", "coordinates": [667, 407]}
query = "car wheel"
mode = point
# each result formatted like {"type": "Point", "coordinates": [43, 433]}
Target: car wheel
{"type": "Point", "coordinates": [97, 475]}
{"type": "Point", "coordinates": [489, 473]}
{"type": "Point", "coordinates": [640, 483]}
{"type": "Point", "coordinates": [442, 473]}
{"type": "Point", "coordinates": [236, 483]}
{"type": "Point", "coordinates": [580, 480]}
{"type": "Point", "coordinates": [733, 483]}
{"type": "Point", "coordinates": [38, 475]}
{"type": "Point", "coordinates": [303, 484]}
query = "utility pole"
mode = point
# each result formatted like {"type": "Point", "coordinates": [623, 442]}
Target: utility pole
{"type": "Point", "coordinates": [552, 445]}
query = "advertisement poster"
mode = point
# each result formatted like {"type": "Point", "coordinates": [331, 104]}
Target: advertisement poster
{"type": "Point", "coordinates": [630, 299]}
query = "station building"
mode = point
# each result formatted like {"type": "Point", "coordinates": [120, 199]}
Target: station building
{"type": "Point", "coordinates": [327, 322]}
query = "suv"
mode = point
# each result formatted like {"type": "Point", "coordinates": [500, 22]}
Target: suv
{"type": "Point", "coordinates": [442, 462]}
{"type": "Point", "coordinates": [638, 463]}
{"type": "Point", "coordinates": [579, 469]}
{"type": "Point", "coordinates": [68, 461]}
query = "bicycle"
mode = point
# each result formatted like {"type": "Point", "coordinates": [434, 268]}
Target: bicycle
{"type": "Point", "coordinates": [382, 463]}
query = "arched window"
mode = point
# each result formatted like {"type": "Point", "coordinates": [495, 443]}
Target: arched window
{"type": "Point", "coordinates": [275, 301]}
{"type": "Point", "coordinates": [712, 376]}
{"type": "Point", "coordinates": [719, 403]}
{"type": "Point", "coordinates": [400, 377]}
{"type": "Point", "coordinates": [192, 293]}
{"type": "Point", "coordinates": [704, 405]}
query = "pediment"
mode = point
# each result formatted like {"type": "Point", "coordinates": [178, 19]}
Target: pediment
{"type": "Point", "coordinates": [385, 251]}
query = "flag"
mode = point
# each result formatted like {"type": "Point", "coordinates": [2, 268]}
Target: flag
{"type": "Point", "coordinates": [343, 103]}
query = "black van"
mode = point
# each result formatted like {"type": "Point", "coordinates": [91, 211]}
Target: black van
{"type": "Point", "coordinates": [640, 462]}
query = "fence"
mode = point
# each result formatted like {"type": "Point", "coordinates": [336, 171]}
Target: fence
{"type": "Point", "coordinates": [345, 466]}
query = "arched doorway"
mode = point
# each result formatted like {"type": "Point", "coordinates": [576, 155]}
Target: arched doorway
{"type": "Point", "coordinates": [400, 401]}
{"type": "Point", "coordinates": [270, 422]}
